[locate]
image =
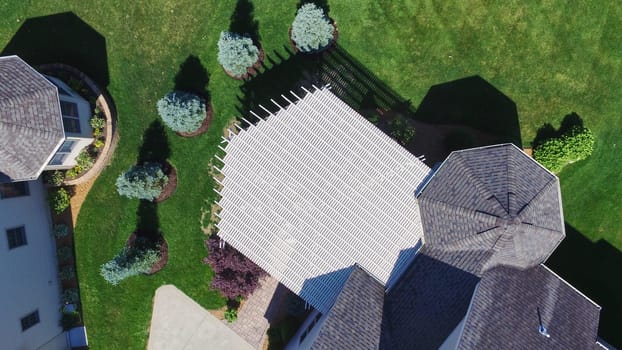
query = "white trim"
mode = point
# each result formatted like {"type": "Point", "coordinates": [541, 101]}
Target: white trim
{"type": "Point", "coordinates": [571, 286]}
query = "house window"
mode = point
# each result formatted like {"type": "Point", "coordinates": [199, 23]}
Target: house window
{"type": "Point", "coordinates": [62, 153]}
{"type": "Point", "coordinates": [13, 189]}
{"type": "Point", "coordinates": [30, 320]}
{"type": "Point", "coordinates": [71, 122]}
{"type": "Point", "coordinates": [16, 237]}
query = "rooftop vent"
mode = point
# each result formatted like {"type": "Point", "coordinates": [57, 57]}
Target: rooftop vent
{"type": "Point", "coordinates": [541, 327]}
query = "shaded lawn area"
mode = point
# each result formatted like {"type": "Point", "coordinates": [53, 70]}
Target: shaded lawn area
{"type": "Point", "coordinates": [550, 60]}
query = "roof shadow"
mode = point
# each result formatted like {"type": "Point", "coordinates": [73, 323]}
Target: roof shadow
{"type": "Point", "coordinates": [426, 305]}
{"type": "Point", "coordinates": [475, 103]}
{"type": "Point", "coordinates": [62, 38]}
{"type": "Point", "coordinates": [592, 268]}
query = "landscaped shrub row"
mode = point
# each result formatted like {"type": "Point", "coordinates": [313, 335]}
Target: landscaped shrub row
{"type": "Point", "coordinates": [555, 153]}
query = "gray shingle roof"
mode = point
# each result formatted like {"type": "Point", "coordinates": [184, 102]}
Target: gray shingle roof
{"type": "Point", "coordinates": [503, 314]}
{"type": "Point", "coordinates": [494, 198]}
{"type": "Point", "coordinates": [354, 321]}
{"type": "Point", "coordinates": [430, 299]}
{"type": "Point", "coordinates": [30, 120]}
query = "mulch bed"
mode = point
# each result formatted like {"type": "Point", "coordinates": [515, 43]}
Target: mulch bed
{"type": "Point", "coordinates": [251, 71]}
{"type": "Point", "coordinates": [155, 238]}
{"type": "Point", "coordinates": [204, 126]}
{"type": "Point", "coordinates": [321, 50]}
{"type": "Point", "coordinates": [171, 186]}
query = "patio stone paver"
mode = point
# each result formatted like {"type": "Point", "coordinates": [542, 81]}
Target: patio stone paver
{"type": "Point", "coordinates": [254, 317]}
{"type": "Point", "coordinates": [179, 323]}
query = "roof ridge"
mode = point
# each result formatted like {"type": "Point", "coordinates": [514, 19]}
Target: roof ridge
{"type": "Point", "coordinates": [482, 188]}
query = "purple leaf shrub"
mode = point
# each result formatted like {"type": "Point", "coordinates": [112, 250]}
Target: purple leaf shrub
{"type": "Point", "coordinates": [235, 275]}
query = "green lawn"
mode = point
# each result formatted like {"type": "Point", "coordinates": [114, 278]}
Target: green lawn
{"type": "Point", "coordinates": [552, 59]}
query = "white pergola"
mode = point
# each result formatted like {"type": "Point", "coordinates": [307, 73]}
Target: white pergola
{"type": "Point", "coordinates": [315, 188]}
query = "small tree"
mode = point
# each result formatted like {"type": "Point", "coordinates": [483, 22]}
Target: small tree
{"type": "Point", "coordinates": [311, 29]}
{"type": "Point", "coordinates": [59, 200]}
{"type": "Point", "coordinates": [236, 53]}
{"type": "Point", "coordinates": [401, 131]}
{"type": "Point", "coordinates": [182, 111]}
{"type": "Point", "coordinates": [129, 262]}
{"type": "Point", "coordinates": [235, 275]}
{"type": "Point", "coordinates": [577, 144]}
{"type": "Point", "coordinates": [142, 181]}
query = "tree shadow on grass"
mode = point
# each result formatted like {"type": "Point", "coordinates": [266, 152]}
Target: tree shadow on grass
{"type": "Point", "coordinates": [193, 77]}
{"type": "Point", "coordinates": [243, 21]}
{"type": "Point", "coordinates": [62, 38]}
{"type": "Point", "coordinates": [592, 267]}
{"type": "Point", "coordinates": [547, 131]}
{"type": "Point", "coordinates": [155, 146]}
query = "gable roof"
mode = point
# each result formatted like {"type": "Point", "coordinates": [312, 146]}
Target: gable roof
{"type": "Point", "coordinates": [354, 321]}
{"type": "Point", "coordinates": [430, 299]}
{"type": "Point", "coordinates": [31, 126]}
{"type": "Point", "coordinates": [494, 198]}
{"type": "Point", "coordinates": [316, 188]}
{"type": "Point", "coordinates": [504, 312]}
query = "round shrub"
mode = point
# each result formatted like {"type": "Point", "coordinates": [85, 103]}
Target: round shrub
{"type": "Point", "coordinates": [231, 315]}
{"type": "Point", "coordinates": [129, 262]}
{"type": "Point", "coordinates": [54, 178]}
{"type": "Point", "coordinates": [236, 53]}
{"type": "Point", "coordinates": [142, 181]}
{"type": "Point", "coordinates": [401, 130]}
{"type": "Point", "coordinates": [311, 29]}
{"type": "Point", "coordinates": [60, 231]}
{"type": "Point", "coordinates": [67, 273]}
{"type": "Point", "coordinates": [182, 111]}
{"type": "Point", "coordinates": [59, 200]}
{"type": "Point", "coordinates": [64, 253]}
{"type": "Point", "coordinates": [97, 122]}
{"type": "Point", "coordinates": [70, 296]}
{"type": "Point", "coordinates": [555, 153]}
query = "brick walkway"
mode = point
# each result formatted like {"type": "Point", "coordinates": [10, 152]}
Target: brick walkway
{"type": "Point", "coordinates": [254, 316]}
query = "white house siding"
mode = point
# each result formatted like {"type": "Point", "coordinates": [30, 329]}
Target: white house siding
{"type": "Point", "coordinates": [28, 274]}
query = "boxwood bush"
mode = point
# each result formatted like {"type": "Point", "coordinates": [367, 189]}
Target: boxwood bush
{"type": "Point", "coordinates": [142, 181]}
{"type": "Point", "coordinates": [311, 29]}
{"type": "Point", "coordinates": [129, 262]}
{"type": "Point", "coordinates": [555, 153]}
{"type": "Point", "coordinates": [59, 200]}
{"type": "Point", "coordinates": [60, 231]}
{"type": "Point", "coordinates": [236, 53]}
{"type": "Point", "coordinates": [182, 111]}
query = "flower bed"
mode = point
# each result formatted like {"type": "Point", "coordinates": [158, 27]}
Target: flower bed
{"type": "Point", "coordinates": [96, 156]}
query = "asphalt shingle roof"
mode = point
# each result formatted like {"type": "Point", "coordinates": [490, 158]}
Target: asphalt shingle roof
{"type": "Point", "coordinates": [494, 198]}
{"type": "Point", "coordinates": [504, 312]}
{"type": "Point", "coordinates": [430, 299]}
{"type": "Point", "coordinates": [354, 321]}
{"type": "Point", "coordinates": [30, 120]}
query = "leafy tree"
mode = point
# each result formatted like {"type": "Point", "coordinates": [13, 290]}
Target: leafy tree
{"type": "Point", "coordinates": [555, 153]}
{"type": "Point", "coordinates": [236, 53]}
{"type": "Point", "coordinates": [311, 29]}
{"type": "Point", "coordinates": [182, 111]}
{"type": "Point", "coordinates": [236, 275]}
{"type": "Point", "coordinates": [142, 181]}
{"type": "Point", "coordinates": [59, 200]}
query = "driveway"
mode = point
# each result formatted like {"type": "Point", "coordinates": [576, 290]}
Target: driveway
{"type": "Point", "coordinates": [179, 323]}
